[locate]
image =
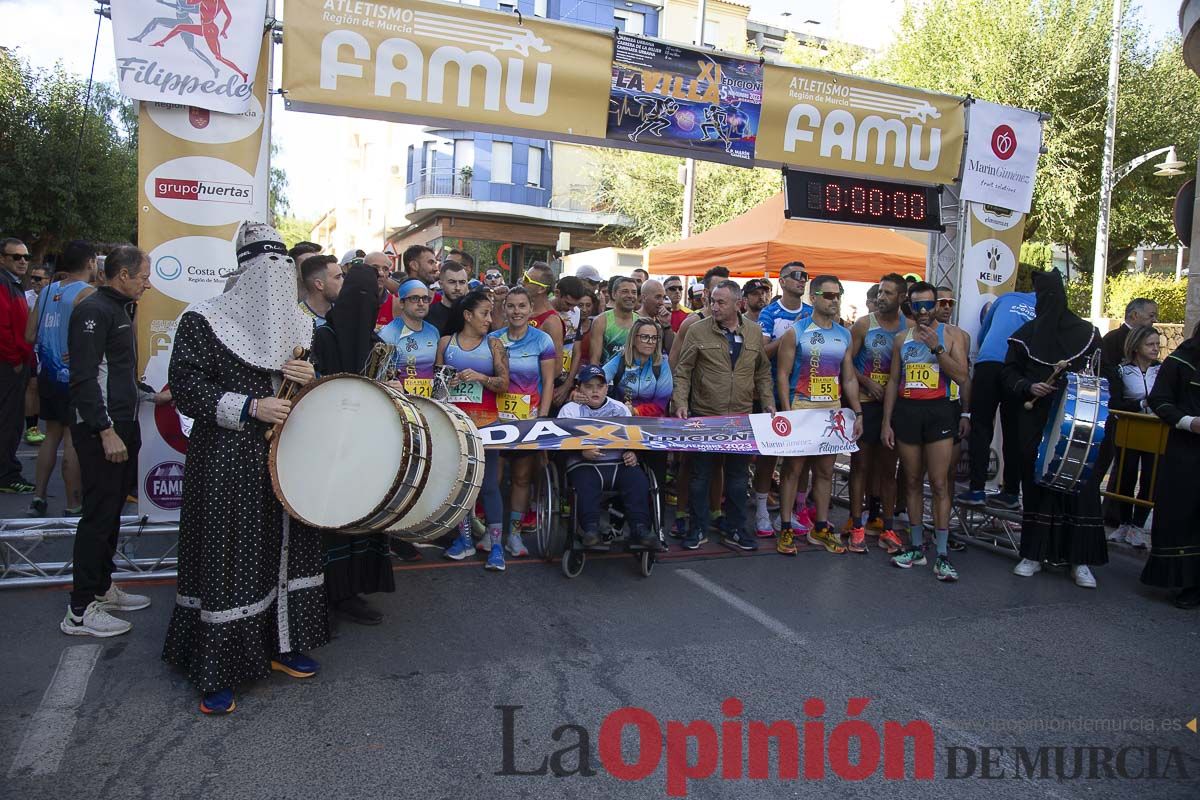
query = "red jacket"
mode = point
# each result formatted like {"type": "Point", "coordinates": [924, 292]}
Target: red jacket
{"type": "Point", "coordinates": [14, 312]}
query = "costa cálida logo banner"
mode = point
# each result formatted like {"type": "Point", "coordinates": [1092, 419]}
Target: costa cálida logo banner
{"type": "Point", "coordinates": [199, 53]}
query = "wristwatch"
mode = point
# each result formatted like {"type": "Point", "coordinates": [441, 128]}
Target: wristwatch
{"type": "Point", "coordinates": [937, 351]}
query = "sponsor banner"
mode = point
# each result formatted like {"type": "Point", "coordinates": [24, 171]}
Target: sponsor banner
{"type": "Point", "coordinates": [992, 248]}
{"type": "Point", "coordinates": [415, 61]}
{"type": "Point", "coordinates": [664, 96]}
{"type": "Point", "coordinates": [202, 53]}
{"type": "Point", "coordinates": [839, 123]}
{"type": "Point", "coordinates": [1002, 156]}
{"type": "Point", "coordinates": [201, 173]}
{"type": "Point", "coordinates": [806, 432]}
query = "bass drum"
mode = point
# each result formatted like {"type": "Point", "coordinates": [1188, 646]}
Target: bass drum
{"type": "Point", "coordinates": [352, 457]}
{"type": "Point", "coordinates": [455, 474]}
{"type": "Point", "coordinates": [1074, 431]}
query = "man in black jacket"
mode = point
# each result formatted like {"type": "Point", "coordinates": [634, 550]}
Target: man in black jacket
{"type": "Point", "coordinates": [105, 394]}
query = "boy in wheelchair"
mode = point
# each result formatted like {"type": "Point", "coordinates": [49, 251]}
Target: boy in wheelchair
{"type": "Point", "coordinates": [594, 471]}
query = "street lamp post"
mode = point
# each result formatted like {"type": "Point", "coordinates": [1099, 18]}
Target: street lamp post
{"type": "Point", "coordinates": [1100, 262]}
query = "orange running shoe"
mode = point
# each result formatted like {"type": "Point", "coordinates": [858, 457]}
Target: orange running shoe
{"type": "Point", "coordinates": [858, 541]}
{"type": "Point", "coordinates": [825, 537]}
{"type": "Point", "coordinates": [786, 544]}
{"type": "Point", "coordinates": [891, 542]}
{"type": "Point", "coordinates": [875, 526]}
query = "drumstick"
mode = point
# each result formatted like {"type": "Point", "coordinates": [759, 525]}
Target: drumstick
{"type": "Point", "coordinates": [287, 390]}
{"type": "Point", "coordinates": [1058, 368]}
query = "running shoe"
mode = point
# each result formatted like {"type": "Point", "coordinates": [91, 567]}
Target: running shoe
{"type": "Point", "coordinates": [117, 599]}
{"type": "Point", "coordinates": [516, 547]}
{"type": "Point", "coordinates": [1083, 577]}
{"type": "Point", "coordinates": [943, 570]}
{"type": "Point", "coordinates": [495, 561]}
{"type": "Point", "coordinates": [858, 541]}
{"type": "Point", "coordinates": [973, 498]}
{"type": "Point", "coordinates": [37, 507]}
{"type": "Point", "coordinates": [462, 547]}
{"type": "Point", "coordinates": [693, 541]}
{"type": "Point", "coordinates": [1027, 568]}
{"type": "Point", "coordinates": [891, 542]}
{"type": "Point", "coordinates": [912, 557]}
{"type": "Point", "coordinates": [762, 524]}
{"type": "Point", "coordinates": [825, 537]}
{"type": "Point", "coordinates": [590, 538]}
{"type": "Point", "coordinates": [484, 545]}
{"type": "Point", "coordinates": [955, 546]}
{"type": "Point", "coordinates": [218, 702]}
{"type": "Point", "coordinates": [17, 486]}
{"type": "Point", "coordinates": [1005, 500]}
{"type": "Point", "coordinates": [1138, 538]}
{"type": "Point", "coordinates": [34, 436]}
{"type": "Point", "coordinates": [94, 621]}
{"type": "Point", "coordinates": [875, 526]}
{"type": "Point", "coordinates": [1119, 534]}
{"type": "Point", "coordinates": [786, 545]}
{"type": "Point", "coordinates": [296, 664]}
{"type": "Point", "coordinates": [803, 522]}
{"type": "Point", "coordinates": [679, 530]}
{"type": "Point", "coordinates": [738, 541]}
{"type": "Point", "coordinates": [529, 522]}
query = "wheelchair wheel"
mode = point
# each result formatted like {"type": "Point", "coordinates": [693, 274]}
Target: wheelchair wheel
{"type": "Point", "coordinates": [545, 505]}
{"type": "Point", "coordinates": [646, 563]}
{"type": "Point", "coordinates": [572, 562]}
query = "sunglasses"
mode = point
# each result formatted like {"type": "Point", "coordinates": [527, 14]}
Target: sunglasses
{"type": "Point", "coordinates": [947, 302]}
{"type": "Point", "coordinates": [37, 278]}
{"type": "Point", "coordinates": [920, 306]}
{"type": "Point", "coordinates": [828, 295]}
{"type": "Point", "coordinates": [648, 338]}
{"type": "Point", "coordinates": [526, 279]}
{"type": "Point", "coordinates": [493, 275]}
{"type": "Point", "coordinates": [796, 276]}
{"type": "Point", "coordinates": [18, 256]}
{"type": "Point", "coordinates": [675, 288]}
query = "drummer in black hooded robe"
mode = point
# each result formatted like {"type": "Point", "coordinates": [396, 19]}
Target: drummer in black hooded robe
{"type": "Point", "coordinates": [354, 565]}
{"type": "Point", "coordinates": [1174, 561]}
{"type": "Point", "coordinates": [1056, 527]}
{"type": "Point", "coordinates": [250, 597]}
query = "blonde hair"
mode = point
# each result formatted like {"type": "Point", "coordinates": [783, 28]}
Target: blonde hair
{"type": "Point", "coordinates": [630, 354]}
{"type": "Point", "coordinates": [1136, 338]}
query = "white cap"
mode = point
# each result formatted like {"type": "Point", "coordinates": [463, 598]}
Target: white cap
{"type": "Point", "coordinates": [589, 273]}
{"type": "Point", "coordinates": [350, 255]}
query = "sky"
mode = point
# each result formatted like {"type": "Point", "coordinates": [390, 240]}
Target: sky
{"type": "Point", "coordinates": [50, 31]}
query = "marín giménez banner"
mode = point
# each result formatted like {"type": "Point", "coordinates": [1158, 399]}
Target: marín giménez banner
{"type": "Point", "coordinates": [808, 432]}
{"type": "Point", "coordinates": [201, 53]}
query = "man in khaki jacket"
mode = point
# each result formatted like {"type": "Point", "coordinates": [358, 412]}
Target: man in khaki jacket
{"type": "Point", "coordinates": [722, 369]}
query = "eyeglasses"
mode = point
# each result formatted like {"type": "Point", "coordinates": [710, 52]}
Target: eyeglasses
{"type": "Point", "coordinates": [418, 298]}
{"type": "Point", "coordinates": [648, 338]}
{"type": "Point", "coordinates": [526, 279]}
{"type": "Point", "coordinates": [796, 276]}
{"type": "Point", "coordinates": [18, 256]}
{"type": "Point", "coordinates": [920, 306]}
{"type": "Point", "coordinates": [948, 302]}
{"type": "Point", "coordinates": [828, 295]}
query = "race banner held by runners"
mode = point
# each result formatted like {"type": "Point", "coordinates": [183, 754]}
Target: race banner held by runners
{"type": "Point", "coordinates": [814, 431]}
{"type": "Point", "coordinates": [1002, 156]}
{"type": "Point", "coordinates": [199, 53]}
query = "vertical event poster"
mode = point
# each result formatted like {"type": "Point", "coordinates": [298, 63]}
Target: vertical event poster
{"type": "Point", "coordinates": [664, 96]}
{"type": "Point", "coordinates": [991, 251]}
{"type": "Point", "coordinates": [201, 53]}
{"type": "Point", "coordinates": [1002, 155]}
{"type": "Point", "coordinates": [201, 174]}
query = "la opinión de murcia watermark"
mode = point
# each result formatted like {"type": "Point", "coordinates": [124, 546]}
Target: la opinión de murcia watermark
{"type": "Point", "coordinates": [632, 745]}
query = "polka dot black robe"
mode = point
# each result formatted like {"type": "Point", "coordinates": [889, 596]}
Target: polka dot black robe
{"type": "Point", "coordinates": [250, 583]}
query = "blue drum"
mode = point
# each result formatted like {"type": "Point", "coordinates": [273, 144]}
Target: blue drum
{"type": "Point", "coordinates": [1073, 435]}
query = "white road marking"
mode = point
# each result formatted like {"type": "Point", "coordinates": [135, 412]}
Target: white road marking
{"type": "Point", "coordinates": [50, 729]}
{"type": "Point", "coordinates": [749, 609]}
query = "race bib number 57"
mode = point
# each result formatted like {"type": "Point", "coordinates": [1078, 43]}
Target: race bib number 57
{"type": "Point", "coordinates": [514, 406]}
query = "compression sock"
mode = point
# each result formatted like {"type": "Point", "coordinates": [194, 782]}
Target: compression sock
{"type": "Point", "coordinates": [916, 534]}
{"type": "Point", "coordinates": [514, 522]}
{"type": "Point", "coordinates": [942, 537]}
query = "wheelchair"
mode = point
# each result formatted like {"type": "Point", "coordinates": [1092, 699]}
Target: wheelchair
{"type": "Point", "coordinates": [557, 534]}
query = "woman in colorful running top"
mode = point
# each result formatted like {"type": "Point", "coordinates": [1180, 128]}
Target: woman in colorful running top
{"type": "Point", "coordinates": [813, 370]}
{"type": "Point", "coordinates": [639, 375]}
{"type": "Point", "coordinates": [481, 370]}
{"type": "Point", "coordinates": [532, 365]}
{"type": "Point", "coordinates": [920, 420]}
{"type": "Point", "coordinates": [415, 339]}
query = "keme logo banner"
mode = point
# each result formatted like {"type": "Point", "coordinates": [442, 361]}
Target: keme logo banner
{"type": "Point", "coordinates": [201, 53]}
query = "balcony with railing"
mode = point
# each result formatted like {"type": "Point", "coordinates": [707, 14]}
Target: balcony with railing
{"type": "Point", "coordinates": [441, 183]}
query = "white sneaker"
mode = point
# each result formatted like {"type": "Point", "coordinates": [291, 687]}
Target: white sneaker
{"type": "Point", "coordinates": [1120, 534]}
{"type": "Point", "coordinates": [516, 548]}
{"type": "Point", "coordinates": [484, 543]}
{"type": "Point", "coordinates": [1137, 537]}
{"type": "Point", "coordinates": [1084, 577]}
{"type": "Point", "coordinates": [762, 521]}
{"type": "Point", "coordinates": [1027, 568]}
{"type": "Point", "coordinates": [94, 622]}
{"type": "Point", "coordinates": [117, 599]}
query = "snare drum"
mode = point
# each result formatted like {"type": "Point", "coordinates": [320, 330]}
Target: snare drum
{"type": "Point", "coordinates": [455, 474]}
{"type": "Point", "coordinates": [353, 455]}
{"type": "Point", "coordinates": [1074, 431]}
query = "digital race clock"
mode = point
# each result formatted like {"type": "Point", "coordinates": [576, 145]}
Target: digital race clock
{"type": "Point", "coordinates": [836, 199]}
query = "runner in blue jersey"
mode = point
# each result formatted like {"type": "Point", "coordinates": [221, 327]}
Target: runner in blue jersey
{"type": "Point", "coordinates": [415, 339]}
{"type": "Point", "coordinates": [873, 467]}
{"type": "Point", "coordinates": [775, 320]}
{"type": "Point", "coordinates": [814, 370]}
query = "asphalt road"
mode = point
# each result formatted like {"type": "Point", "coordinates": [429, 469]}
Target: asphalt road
{"type": "Point", "coordinates": [409, 708]}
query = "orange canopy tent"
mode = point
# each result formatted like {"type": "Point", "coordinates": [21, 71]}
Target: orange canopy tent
{"type": "Point", "coordinates": [762, 240]}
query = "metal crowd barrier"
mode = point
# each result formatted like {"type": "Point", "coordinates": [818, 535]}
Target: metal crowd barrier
{"type": "Point", "coordinates": [22, 540]}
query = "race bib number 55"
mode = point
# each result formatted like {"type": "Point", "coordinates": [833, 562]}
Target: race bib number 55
{"type": "Point", "coordinates": [824, 388]}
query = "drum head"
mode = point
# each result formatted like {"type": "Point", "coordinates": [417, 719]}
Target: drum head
{"type": "Point", "coordinates": [445, 464]}
{"type": "Point", "coordinates": [339, 452]}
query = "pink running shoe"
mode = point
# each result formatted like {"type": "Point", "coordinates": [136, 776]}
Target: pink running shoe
{"type": "Point", "coordinates": [803, 521]}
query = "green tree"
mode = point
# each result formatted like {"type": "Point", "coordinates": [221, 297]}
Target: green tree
{"type": "Point", "coordinates": [277, 202]}
{"type": "Point", "coordinates": [58, 182]}
{"type": "Point", "coordinates": [293, 229]}
{"type": "Point", "coordinates": [1052, 56]}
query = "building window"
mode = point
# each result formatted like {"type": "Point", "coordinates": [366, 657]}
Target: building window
{"type": "Point", "coordinates": [501, 162]}
{"type": "Point", "coordinates": [464, 154]}
{"type": "Point", "coordinates": [507, 8]}
{"type": "Point", "coordinates": [535, 166]}
{"type": "Point", "coordinates": [630, 21]}
{"type": "Point", "coordinates": [712, 33]}
{"type": "Point", "coordinates": [541, 8]}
